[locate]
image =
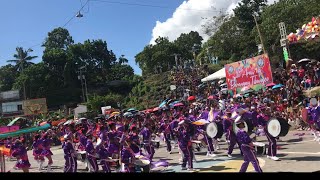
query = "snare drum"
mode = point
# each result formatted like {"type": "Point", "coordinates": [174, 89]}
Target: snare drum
{"type": "Point", "coordinates": [81, 156]}
{"type": "Point", "coordinates": [260, 148]}
{"type": "Point", "coordinates": [141, 160]}
{"type": "Point", "coordinates": [156, 143]}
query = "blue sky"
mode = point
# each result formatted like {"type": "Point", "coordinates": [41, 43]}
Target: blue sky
{"type": "Point", "coordinates": [127, 29]}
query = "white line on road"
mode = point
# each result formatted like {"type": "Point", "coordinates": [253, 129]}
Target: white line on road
{"type": "Point", "coordinates": [307, 153]}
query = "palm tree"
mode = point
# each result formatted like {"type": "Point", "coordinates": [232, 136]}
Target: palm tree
{"type": "Point", "coordinates": [22, 62]}
{"type": "Point", "coordinates": [123, 60]}
{"type": "Point", "coordinates": [22, 59]}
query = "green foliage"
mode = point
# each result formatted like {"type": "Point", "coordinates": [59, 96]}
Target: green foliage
{"type": "Point", "coordinates": [7, 77]}
{"type": "Point", "coordinates": [161, 54]}
{"type": "Point", "coordinates": [96, 102]}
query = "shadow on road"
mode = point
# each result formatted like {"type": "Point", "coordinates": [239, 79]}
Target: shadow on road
{"type": "Point", "coordinates": [294, 140]}
{"type": "Point", "coordinates": [215, 168]}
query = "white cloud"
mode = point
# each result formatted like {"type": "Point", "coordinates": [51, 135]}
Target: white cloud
{"type": "Point", "coordinates": [189, 17]}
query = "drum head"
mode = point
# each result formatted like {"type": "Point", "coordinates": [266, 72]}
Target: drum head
{"type": "Point", "coordinates": [274, 127]}
{"type": "Point", "coordinates": [236, 129]}
{"type": "Point", "coordinates": [212, 130]}
{"type": "Point", "coordinates": [313, 102]}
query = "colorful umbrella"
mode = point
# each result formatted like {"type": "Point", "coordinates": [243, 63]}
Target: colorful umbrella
{"type": "Point", "coordinates": [270, 84]}
{"type": "Point", "coordinates": [277, 86]}
{"type": "Point", "coordinates": [212, 97]}
{"type": "Point", "coordinates": [178, 104]}
{"type": "Point", "coordinates": [191, 98]}
{"type": "Point", "coordinates": [156, 109]}
{"type": "Point", "coordinates": [200, 122]}
{"type": "Point", "coordinates": [132, 109]}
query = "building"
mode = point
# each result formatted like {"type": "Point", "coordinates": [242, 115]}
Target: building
{"type": "Point", "coordinates": [11, 103]}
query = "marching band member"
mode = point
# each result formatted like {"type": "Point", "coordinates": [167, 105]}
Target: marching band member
{"type": "Point", "coordinates": [104, 155]}
{"type": "Point", "coordinates": [247, 148]}
{"type": "Point", "coordinates": [127, 157]}
{"type": "Point", "coordinates": [146, 136]}
{"type": "Point", "coordinates": [165, 128]}
{"type": "Point", "coordinates": [37, 150]}
{"type": "Point", "coordinates": [69, 154]}
{"type": "Point", "coordinates": [185, 144]}
{"type": "Point", "coordinates": [314, 119]}
{"type": "Point", "coordinates": [46, 152]}
{"type": "Point", "coordinates": [263, 119]}
{"type": "Point", "coordinates": [91, 153]}
{"type": "Point", "coordinates": [134, 138]}
{"type": "Point", "coordinates": [114, 144]}
{"type": "Point", "coordinates": [208, 141]}
{"type": "Point", "coordinates": [20, 152]}
{"type": "Point", "coordinates": [230, 134]}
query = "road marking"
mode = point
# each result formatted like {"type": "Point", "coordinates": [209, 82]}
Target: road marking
{"type": "Point", "coordinates": [307, 153]}
{"type": "Point", "coordinates": [232, 166]}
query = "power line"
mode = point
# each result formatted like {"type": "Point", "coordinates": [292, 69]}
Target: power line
{"type": "Point", "coordinates": [75, 14]}
{"type": "Point", "coordinates": [149, 5]}
{"type": "Point", "coordinates": [39, 44]}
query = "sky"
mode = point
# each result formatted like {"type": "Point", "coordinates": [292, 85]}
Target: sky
{"type": "Point", "coordinates": [126, 25]}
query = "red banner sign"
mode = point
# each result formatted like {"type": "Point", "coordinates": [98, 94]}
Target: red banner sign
{"type": "Point", "coordinates": [249, 72]}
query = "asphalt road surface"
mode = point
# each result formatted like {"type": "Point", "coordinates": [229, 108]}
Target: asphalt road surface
{"type": "Point", "coordinates": [297, 152]}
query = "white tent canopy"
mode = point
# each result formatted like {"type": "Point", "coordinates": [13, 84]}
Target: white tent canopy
{"type": "Point", "coordinates": [217, 75]}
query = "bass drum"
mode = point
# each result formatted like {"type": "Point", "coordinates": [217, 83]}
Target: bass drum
{"type": "Point", "coordinates": [220, 130]}
{"type": "Point", "coordinates": [278, 127]}
{"type": "Point", "coordinates": [212, 129]}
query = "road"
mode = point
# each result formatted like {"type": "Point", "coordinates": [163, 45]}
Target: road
{"type": "Point", "coordinates": [296, 153]}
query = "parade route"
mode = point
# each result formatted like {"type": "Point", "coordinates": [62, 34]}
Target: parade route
{"type": "Point", "coordinates": [297, 154]}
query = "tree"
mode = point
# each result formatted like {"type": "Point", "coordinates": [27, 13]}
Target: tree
{"type": "Point", "coordinates": [8, 74]}
{"type": "Point", "coordinates": [59, 38]}
{"type": "Point", "coordinates": [245, 11]}
{"type": "Point", "coordinates": [35, 77]}
{"type": "Point", "coordinates": [23, 59]}
{"type": "Point", "coordinates": [123, 59]}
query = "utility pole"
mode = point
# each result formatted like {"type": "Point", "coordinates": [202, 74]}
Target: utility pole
{"type": "Point", "coordinates": [255, 19]}
{"type": "Point", "coordinates": [83, 81]}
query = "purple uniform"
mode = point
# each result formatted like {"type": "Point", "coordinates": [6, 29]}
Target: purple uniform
{"type": "Point", "coordinates": [37, 149]}
{"type": "Point", "coordinates": [272, 148]}
{"type": "Point", "coordinates": [20, 153]}
{"type": "Point", "coordinates": [248, 152]}
{"type": "Point", "coordinates": [314, 115]}
{"type": "Point", "coordinates": [103, 155]}
{"type": "Point", "coordinates": [69, 156]}
{"type": "Point", "coordinates": [46, 143]}
{"type": "Point", "coordinates": [114, 144]}
{"type": "Point", "coordinates": [230, 135]}
{"type": "Point", "coordinates": [165, 128]}
{"type": "Point", "coordinates": [91, 155]}
{"type": "Point", "coordinates": [134, 139]}
{"type": "Point", "coordinates": [185, 145]}
{"type": "Point", "coordinates": [127, 156]}
{"type": "Point", "coordinates": [148, 146]}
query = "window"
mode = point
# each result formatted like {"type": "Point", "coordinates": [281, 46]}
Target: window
{"type": "Point", "coordinates": [19, 107]}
